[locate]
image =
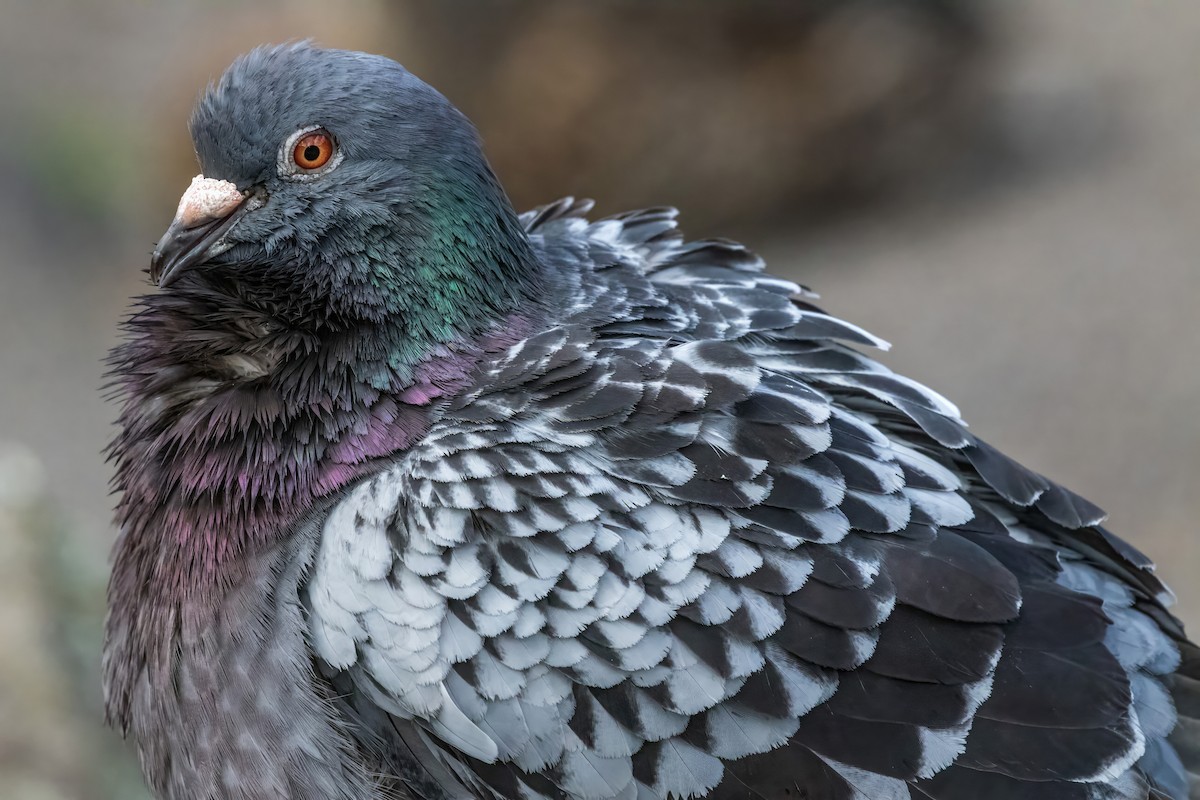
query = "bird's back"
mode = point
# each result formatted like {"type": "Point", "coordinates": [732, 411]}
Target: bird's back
{"type": "Point", "coordinates": [686, 540]}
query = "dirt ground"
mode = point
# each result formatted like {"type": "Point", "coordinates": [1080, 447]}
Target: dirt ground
{"type": "Point", "coordinates": [1051, 290]}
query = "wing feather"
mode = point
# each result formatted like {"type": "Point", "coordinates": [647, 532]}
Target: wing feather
{"type": "Point", "coordinates": [688, 541]}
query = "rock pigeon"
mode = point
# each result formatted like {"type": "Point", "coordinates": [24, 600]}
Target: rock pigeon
{"type": "Point", "coordinates": [421, 498]}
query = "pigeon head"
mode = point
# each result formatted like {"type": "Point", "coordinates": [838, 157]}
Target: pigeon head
{"type": "Point", "coordinates": [338, 185]}
{"type": "Point", "coordinates": [345, 260]}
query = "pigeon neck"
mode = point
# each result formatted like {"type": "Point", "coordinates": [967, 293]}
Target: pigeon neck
{"type": "Point", "coordinates": [450, 263]}
{"type": "Point", "coordinates": [223, 446]}
{"type": "Point", "coordinates": [233, 430]}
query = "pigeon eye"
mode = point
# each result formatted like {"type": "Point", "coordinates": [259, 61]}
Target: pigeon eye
{"type": "Point", "coordinates": [313, 150]}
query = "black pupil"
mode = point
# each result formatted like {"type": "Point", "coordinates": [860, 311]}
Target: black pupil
{"type": "Point", "coordinates": [312, 153]}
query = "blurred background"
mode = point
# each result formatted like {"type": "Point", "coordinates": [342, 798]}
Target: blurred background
{"type": "Point", "coordinates": [1007, 191]}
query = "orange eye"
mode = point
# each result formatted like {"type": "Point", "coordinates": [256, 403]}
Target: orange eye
{"type": "Point", "coordinates": [313, 150]}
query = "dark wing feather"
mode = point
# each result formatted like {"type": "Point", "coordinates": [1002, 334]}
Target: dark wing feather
{"type": "Point", "coordinates": [688, 542]}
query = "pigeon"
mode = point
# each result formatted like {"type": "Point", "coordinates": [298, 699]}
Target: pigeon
{"type": "Point", "coordinates": [422, 498]}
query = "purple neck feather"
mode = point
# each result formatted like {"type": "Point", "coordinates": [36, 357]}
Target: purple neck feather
{"type": "Point", "coordinates": [234, 426]}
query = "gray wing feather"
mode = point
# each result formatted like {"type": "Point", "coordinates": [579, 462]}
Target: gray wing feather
{"type": "Point", "coordinates": [689, 542]}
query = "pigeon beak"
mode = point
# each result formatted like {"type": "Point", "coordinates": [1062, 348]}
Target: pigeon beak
{"type": "Point", "coordinates": [207, 211]}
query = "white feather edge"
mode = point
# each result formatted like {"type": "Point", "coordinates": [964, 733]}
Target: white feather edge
{"type": "Point", "coordinates": [455, 728]}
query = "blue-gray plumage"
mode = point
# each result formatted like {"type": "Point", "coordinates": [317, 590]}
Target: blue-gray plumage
{"type": "Point", "coordinates": [420, 498]}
